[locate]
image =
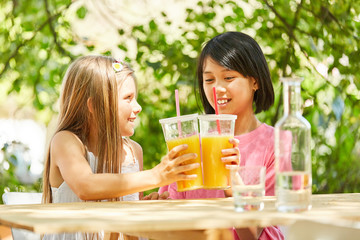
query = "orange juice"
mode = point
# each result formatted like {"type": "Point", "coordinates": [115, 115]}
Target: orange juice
{"type": "Point", "coordinates": [216, 176]}
{"type": "Point", "coordinates": [193, 147]}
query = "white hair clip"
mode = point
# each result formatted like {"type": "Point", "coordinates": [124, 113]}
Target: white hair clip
{"type": "Point", "coordinates": [117, 66]}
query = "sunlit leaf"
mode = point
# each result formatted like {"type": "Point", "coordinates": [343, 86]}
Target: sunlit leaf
{"type": "Point", "coordinates": [81, 12]}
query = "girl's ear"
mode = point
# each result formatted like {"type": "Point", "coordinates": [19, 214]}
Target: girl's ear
{"type": "Point", "coordinates": [90, 105]}
{"type": "Point", "coordinates": [255, 84]}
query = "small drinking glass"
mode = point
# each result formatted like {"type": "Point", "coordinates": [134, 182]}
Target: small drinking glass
{"type": "Point", "coordinates": [248, 187]}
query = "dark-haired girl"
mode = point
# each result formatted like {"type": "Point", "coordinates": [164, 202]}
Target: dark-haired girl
{"type": "Point", "coordinates": [235, 65]}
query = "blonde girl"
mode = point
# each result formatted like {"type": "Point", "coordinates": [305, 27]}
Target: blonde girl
{"type": "Point", "coordinates": [90, 157]}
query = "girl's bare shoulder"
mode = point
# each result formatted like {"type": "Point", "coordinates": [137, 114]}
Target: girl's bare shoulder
{"type": "Point", "coordinates": [136, 146]}
{"type": "Point", "coordinates": [138, 152]}
{"type": "Point", "coordinates": [67, 140]}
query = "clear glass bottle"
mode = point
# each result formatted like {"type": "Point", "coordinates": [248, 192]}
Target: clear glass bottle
{"type": "Point", "coordinates": [292, 152]}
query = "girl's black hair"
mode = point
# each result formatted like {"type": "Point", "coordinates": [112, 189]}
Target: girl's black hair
{"type": "Point", "coordinates": [238, 52]}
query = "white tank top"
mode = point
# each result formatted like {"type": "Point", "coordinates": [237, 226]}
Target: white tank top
{"type": "Point", "coordinates": [64, 194]}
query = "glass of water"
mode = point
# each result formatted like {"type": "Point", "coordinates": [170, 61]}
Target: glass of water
{"type": "Point", "coordinates": [248, 187]}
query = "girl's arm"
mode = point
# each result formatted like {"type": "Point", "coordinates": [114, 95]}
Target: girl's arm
{"type": "Point", "coordinates": [69, 165]}
{"type": "Point", "coordinates": [139, 156]}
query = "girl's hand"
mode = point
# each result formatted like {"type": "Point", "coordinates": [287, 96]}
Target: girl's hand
{"type": "Point", "coordinates": [172, 166]}
{"type": "Point", "coordinates": [156, 196]}
{"type": "Point", "coordinates": [231, 156]}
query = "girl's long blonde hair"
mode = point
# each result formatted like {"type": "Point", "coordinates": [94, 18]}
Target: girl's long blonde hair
{"type": "Point", "coordinates": [91, 77]}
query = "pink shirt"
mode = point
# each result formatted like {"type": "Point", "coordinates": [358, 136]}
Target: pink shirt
{"type": "Point", "coordinates": [256, 148]}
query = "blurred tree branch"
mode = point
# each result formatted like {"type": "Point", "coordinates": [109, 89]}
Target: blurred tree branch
{"type": "Point", "coordinates": [48, 21]}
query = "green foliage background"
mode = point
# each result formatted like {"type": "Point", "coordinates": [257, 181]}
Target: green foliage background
{"type": "Point", "coordinates": [36, 43]}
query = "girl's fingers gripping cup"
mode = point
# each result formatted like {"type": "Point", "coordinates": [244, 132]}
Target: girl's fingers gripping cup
{"type": "Point", "coordinates": [184, 130]}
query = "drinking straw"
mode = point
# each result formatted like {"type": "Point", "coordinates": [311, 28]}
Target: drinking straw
{"type": "Point", "coordinates": [216, 111]}
{"type": "Point", "coordinates": [178, 110]}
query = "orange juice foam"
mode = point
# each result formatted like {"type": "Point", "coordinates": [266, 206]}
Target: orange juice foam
{"type": "Point", "coordinates": [193, 147]}
{"type": "Point", "coordinates": [216, 176]}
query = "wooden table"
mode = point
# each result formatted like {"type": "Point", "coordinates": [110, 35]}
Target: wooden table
{"type": "Point", "coordinates": [171, 219]}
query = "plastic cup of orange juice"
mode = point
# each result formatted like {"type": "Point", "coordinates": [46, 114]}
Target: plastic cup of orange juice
{"type": "Point", "coordinates": [215, 132]}
{"type": "Point", "coordinates": [188, 134]}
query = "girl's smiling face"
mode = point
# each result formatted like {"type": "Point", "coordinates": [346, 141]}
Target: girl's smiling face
{"type": "Point", "coordinates": [234, 92]}
{"type": "Point", "coordinates": [128, 107]}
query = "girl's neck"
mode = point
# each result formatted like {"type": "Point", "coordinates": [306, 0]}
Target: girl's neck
{"type": "Point", "coordinates": [246, 123]}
